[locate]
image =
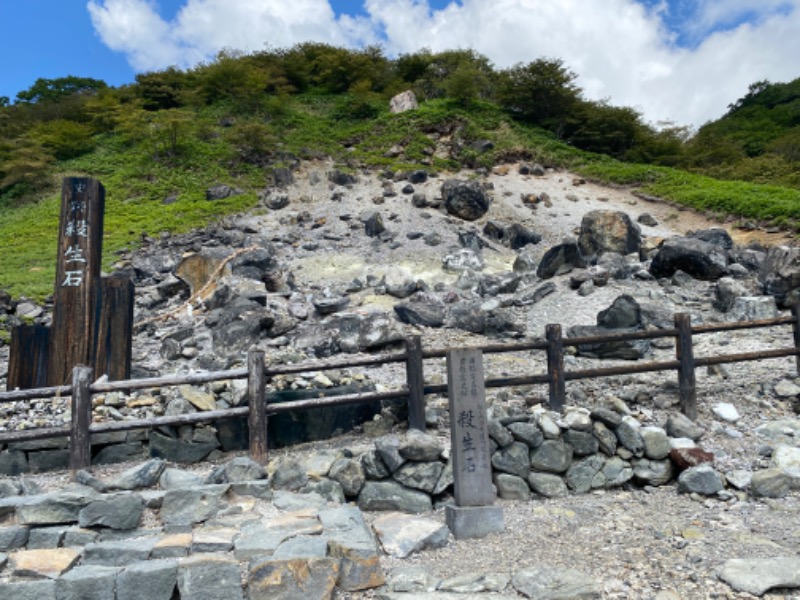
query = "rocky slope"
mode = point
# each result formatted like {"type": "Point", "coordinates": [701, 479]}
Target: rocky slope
{"type": "Point", "coordinates": [337, 263]}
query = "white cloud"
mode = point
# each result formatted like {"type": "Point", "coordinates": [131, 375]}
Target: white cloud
{"type": "Point", "coordinates": [620, 49]}
{"type": "Point", "coordinates": [134, 28]}
{"type": "Point", "coordinates": [204, 27]}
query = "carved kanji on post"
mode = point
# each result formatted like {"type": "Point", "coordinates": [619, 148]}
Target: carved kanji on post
{"type": "Point", "coordinates": [92, 316]}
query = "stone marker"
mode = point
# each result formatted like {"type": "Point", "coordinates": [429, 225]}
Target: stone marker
{"type": "Point", "coordinates": [473, 515]}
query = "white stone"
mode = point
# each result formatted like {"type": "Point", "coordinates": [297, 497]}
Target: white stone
{"type": "Point", "coordinates": [403, 102]}
{"type": "Point", "coordinates": [787, 458]}
{"type": "Point", "coordinates": [402, 535]}
{"type": "Point", "coordinates": [549, 427]}
{"type": "Point", "coordinates": [786, 389]}
{"type": "Point", "coordinates": [681, 443]}
{"type": "Point", "coordinates": [578, 418]}
{"type": "Point", "coordinates": [726, 411]}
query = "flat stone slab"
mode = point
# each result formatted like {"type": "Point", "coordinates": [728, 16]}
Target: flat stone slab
{"type": "Point", "coordinates": [175, 545]}
{"type": "Point", "coordinates": [213, 540]}
{"type": "Point", "coordinates": [402, 535]}
{"type": "Point", "coordinates": [759, 575]}
{"type": "Point", "coordinates": [49, 563]}
{"type": "Point", "coordinates": [474, 521]}
{"type": "Point", "coordinates": [443, 596]}
{"type": "Point", "coordinates": [118, 553]}
{"type": "Point", "coordinates": [29, 590]}
{"type": "Point", "coordinates": [187, 506]}
{"type": "Point", "coordinates": [309, 578]}
{"type": "Point", "coordinates": [351, 541]}
{"type": "Point", "coordinates": [210, 577]}
{"type": "Point", "coordinates": [88, 583]}
{"type": "Point", "coordinates": [152, 579]}
{"type": "Point", "coordinates": [549, 583]}
{"type": "Point", "coordinates": [264, 538]}
{"type": "Point", "coordinates": [50, 509]}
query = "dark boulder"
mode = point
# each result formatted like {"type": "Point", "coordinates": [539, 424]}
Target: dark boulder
{"type": "Point", "coordinates": [780, 274]}
{"type": "Point", "coordinates": [560, 259]}
{"type": "Point", "coordinates": [716, 236]}
{"type": "Point", "coordinates": [623, 313]}
{"type": "Point", "coordinates": [518, 236]}
{"type": "Point", "coordinates": [373, 224]}
{"type": "Point", "coordinates": [424, 310]}
{"type": "Point", "coordinates": [695, 257]}
{"type": "Point", "coordinates": [471, 316]}
{"type": "Point", "coordinates": [338, 177]}
{"type": "Point", "coordinates": [466, 200]}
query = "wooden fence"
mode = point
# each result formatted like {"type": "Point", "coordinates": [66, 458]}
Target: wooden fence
{"type": "Point", "coordinates": [259, 407]}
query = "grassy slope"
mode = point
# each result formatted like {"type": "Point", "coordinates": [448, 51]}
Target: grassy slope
{"type": "Point", "coordinates": [136, 183]}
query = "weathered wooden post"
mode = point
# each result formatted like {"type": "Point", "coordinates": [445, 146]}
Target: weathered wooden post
{"type": "Point", "coordinates": [685, 354]}
{"type": "Point", "coordinates": [80, 247]}
{"type": "Point", "coordinates": [415, 381]}
{"type": "Point", "coordinates": [92, 316]}
{"type": "Point", "coordinates": [796, 332]}
{"type": "Point", "coordinates": [473, 515]}
{"type": "Point", "coordinates": [555, 368]}
{"type": "Point", "coordinates": [113, 327]}
{"type": "Point", "coordinates": [27, 363]}
{"type": "Point", "coordinates": [80, 443]}
{"type": "Point", "coordinates": [257, 417]}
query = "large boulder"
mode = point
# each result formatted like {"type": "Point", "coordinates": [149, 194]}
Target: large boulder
{"type": "Point", "coordinates": [726, 291]}
{"type": "Point", "coordinates": [560, 259]}
{"type": "Point", "coordinates": [402, 102]}
{"type": "Point", "coordinates": [466, 200]}
{"type": "Point", "coordinates": [716, 236]}
{"type": "Point", "coordinates": [473, 317]}
{"type": "Point", "coordinates": [238, 325]}
{"type": "Point", "coordinates": [695, 257]}
{"type": "Point", "coordinates": [780, 274]}
{"type": "Point", "coordinates": [518, 236]}
{"type": "Point", "coordinates": [360, 331]}
{"type": "Point", "coordinates": [421, 309]}
{"type": "Point", "coordinates": [608, 231]}
{"type": "Point", "coordinates": [623, 312]}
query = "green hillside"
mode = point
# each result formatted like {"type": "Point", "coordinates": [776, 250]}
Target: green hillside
{"type": "Point", "coordinates": [173, 134]}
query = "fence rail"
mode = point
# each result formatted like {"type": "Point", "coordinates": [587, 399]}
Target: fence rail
{"type": "Point", "coordinates": [260, 405]}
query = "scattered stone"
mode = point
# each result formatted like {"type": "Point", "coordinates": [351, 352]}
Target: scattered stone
{"type": "Point", "coordinates": [549, 583]}
{"type": "Point", "coordinates": [770, 483]}
{"type": "Point", "coordinates": [402, 535]}
{"type": "Point", "coordinates": [681, 426]}
{"type": "Point", "coordinates": [702, 479]}
{"type": "Point", "coordinates": [759, 575]}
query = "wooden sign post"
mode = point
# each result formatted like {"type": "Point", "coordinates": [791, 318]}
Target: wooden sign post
{"type": "Point", "coordinates": [473, 515]}
{"type": "Point", "coordinates": [80, 250]}
{"type": "Point", "coordinates": [92, 321]}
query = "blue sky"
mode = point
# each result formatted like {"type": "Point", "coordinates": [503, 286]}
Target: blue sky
{"type": "Point", "coordinates": [677, 60]}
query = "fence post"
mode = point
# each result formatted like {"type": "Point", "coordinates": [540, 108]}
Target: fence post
{"type": "Point", "coordinates": [415, 381]}
{"type": "Point", "coordinates": [80, 443]}
{"type": "Point", "coordinates": [685, 355]}
{"type": "Point", "coordinates": [796, 331]}
{"type": "Point", "coordinates": [257, 417]}
{"type": "Point", "coordinates": [555, 368]}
